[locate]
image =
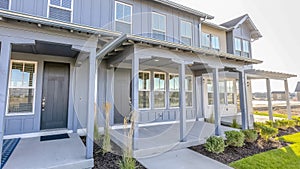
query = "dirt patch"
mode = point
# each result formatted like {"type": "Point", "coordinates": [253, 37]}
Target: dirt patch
{"type": "Point", "coordinates": [232, 154]}
{"type": "Point", "coordinates": [290, 130]}
{"type": "Point", "coordinates": [108, 160]}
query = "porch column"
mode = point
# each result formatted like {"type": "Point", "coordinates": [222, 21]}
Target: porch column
{"type": "Point", "coordinates": [243, 99]}
{"type": "Point", "coordinates": [182, 104]}
{"type": "Point", "coordinates": [110, 93]}
{"type": "Point", "coordinates": [135, 99]}
{"type": "Point", "coordinates": [287, 94]}
{"type": "Point", "coordinates": [216, 101]}
{"type": "Point", "coordinates": [269, 97]}
{"type": "Point", "coordinates": [4, 74]}
{"type": "Point", "coordinates": [200, 97]}
{"type": "Point", "coordinates": [91, 104]}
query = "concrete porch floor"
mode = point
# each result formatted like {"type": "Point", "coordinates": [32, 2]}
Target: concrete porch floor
{"type": "Point", "coordinates": [31, 153]}
{"type": "Point", "coordinates": [155, 140]}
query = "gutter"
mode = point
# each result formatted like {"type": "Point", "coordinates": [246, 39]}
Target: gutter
{"type": "Point", "coordinates": [111, 46]}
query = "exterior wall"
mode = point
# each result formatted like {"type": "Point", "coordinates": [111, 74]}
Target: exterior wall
{"type": "Point", "coordinates": [220, 33]}
{"type": "Point", "coordinates": [31, 123]}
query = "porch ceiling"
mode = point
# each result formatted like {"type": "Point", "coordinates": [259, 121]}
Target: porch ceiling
{"type": "Point", "coordinates": [46, 48]}
{"type": "Point", "coordinates": [262, 74]}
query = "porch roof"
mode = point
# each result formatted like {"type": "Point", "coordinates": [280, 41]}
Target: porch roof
{"type": "Point", "coordinates": [263, 74]}
{"type": "Point", "coordinates": [5, 14]}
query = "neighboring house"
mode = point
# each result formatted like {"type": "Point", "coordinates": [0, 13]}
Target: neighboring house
{"type": "Point", "coordinates": [297, 91]}
{"type": "Point", "coordinates": [279, 95]}
{"type": "Point", "coordinates": [259, 96]}
{"type": "Point", "coordinates": [165, 61]}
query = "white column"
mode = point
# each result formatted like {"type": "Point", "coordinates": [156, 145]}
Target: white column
{"type": "Point", "coordinates": [135, 99]}
{"type": "Point", "coordinates": [269, 97]}
{"type": "Point", "coordinates": [216, 101]}
{"type": "Point", "coordinates": [243, 99]}
{"type": "Point", "coordinates": [182, 104]}
{"type": "Point", "coordinates": [110, 80]}
{"type": "Point", "coordinates": [288, 105]}
{"type": "Point", "coordinates": [4, 74]}
{"type": "Point", "coordinates": [91, 105]}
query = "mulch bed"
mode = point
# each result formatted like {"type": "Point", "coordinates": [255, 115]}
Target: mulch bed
{"type": "Point", "coordinates": [108, 160]}
{"type": "Point", "coordinates": [232, 154]}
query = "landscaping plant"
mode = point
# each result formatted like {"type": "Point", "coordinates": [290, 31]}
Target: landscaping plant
{"type": "Point", "coordinates": [106, 140]}
{"type": "Point", "coordinates": [235, 138]}
{"type": "Point", "coordinates": [268, 132]}
{"type": "Point", "coordinates": [297, 120]}
{"type": "Point", "coordinates": [250, 135]}
{"type": "Point", "coordinates": [235, 124]}
{"type": "Point", "coordinates": [215, 144]}
{"type": "Point", "coordinates": [258, 125]}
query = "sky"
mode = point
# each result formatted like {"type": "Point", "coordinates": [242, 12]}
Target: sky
{"type": "Point", "coordinates": [279, 23]}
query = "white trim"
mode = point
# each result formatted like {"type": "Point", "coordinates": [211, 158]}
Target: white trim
{"type": "Point", "coordinates": [60, 7]}
{"type": "Point", "coordinates": [165, 22]}
{"type": "Point", "coordinates": [144, 90]}
{"type": "Point", "coordinates": [9, 4]}
{"type": "Point", "coordinates": [165, 90]}
{"type": "Point", "coordinates": [131, 14]}
{"type": "Point", "coordinates": [33, 87]}
{"type": "Point", "coordinates": [38, 134]}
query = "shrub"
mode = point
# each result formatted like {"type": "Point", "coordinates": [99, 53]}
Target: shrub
{"type": "Point", "coordinates": [127, 163]}
{"type": "Point", "coordinates": [268, 132]}
{"type": "Point", "coordinates": [250, 135]}
{"type": "Point", "coordinates": [215, 144]}
{"type": "Point", "coordinates": [235, 124]}
{"type": "Point", "coordinates": [258, 125]}
{"type": "Point", "coordinates": [297, 121]}
{"type": "Point", "coordinates": [235, 138]}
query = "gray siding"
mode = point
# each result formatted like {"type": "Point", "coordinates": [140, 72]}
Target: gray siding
{"type": "Point", "coordinates": [101, 13]}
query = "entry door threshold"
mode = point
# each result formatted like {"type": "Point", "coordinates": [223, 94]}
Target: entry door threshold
{"type": "Point", "coordinates": [38, 134]}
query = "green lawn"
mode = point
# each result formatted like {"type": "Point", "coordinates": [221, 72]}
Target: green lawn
{"type": "Point", "coordinates": [284, 158]}
{"type": "Point", "coordinates": [262, 113]}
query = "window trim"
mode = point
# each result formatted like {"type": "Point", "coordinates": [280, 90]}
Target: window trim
{"type": "Point", "coordinates": [209, 45]}
{"type": "Point", "coordinates": [210, 42]}
{"type": "Point", "coordinates": [33, 87]}
{"type": "Point", "coordinates": [62, 8]}
{"type": "Point", "coordinates": [164, 73]}
{"type": "Point", "coordinates": [191, 37]}
{"type": "Point", "coordinates": [173, 107]}
{"type": "Point", "coordinates": [165, 19]}
{"type": "Point", "coordinates": [144, 90]}
{"type": "Point", "coordinates": [131, 16]}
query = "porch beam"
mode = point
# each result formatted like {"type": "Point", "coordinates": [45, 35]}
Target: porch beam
{"type": "Point", "coordinates": [92, 108]}
{"type": "Point", "coordinates": [287, 94]}
{"type": "Point", "coordinates": [269, 97]}
{"type": "Point", "coordinates": [216, 101]}
{"type": "Point", "coordinates": [135, 99]}
{"type": "Point", "coordinates": [243, 99]}
{"type": "Point", "coordinates": [4, 74]}
{"type": "Point", "coordinates": [182, 102]}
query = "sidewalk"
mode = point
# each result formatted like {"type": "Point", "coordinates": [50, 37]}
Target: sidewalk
{"type": "Point", "coordinates": [181, 159]}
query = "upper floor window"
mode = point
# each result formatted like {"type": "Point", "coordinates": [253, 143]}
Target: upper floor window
{"type": "Point", "coordinates": [123, 17]}
{"type": "Point", "coordinates": [4, 4]}
{"type": "Point", "coordinates": [246, 48]}
{"type": "Point", "coordinates": [186, 32]}
{"type": "Point", "coordinates": [210, 41]}
{"type": "Point", "coordinates": [61, 10]}
{"type": "Point", "coordinates": [158, 26]}
{"type": "Point", "coordinates": [21, 89]}
{"type": "Point", "coordinates": [242, 47]}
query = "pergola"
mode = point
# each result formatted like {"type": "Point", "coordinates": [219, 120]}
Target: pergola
{"type": "Point", "coordinates": [268, 75]}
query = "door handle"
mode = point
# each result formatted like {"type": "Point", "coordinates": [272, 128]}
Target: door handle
{"type": "Point", "coordinates": [43, 104]}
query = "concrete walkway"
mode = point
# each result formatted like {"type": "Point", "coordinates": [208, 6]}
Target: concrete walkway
{"type": "Point", "coordinates": [181, 159]}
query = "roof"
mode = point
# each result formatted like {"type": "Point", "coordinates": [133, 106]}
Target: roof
{"type": "Point", "coordinates": [133, 38]}
{"type": "Point", "coordinates": [297, 87]}
{"type": "Point", "coordinates": [234, 23]}
{"type": "Point", "coordinates": [263, 74]}
{"type": "Point", "coordinates": [215, 26]}
{"type": "Point", "coordinates": [184, 8]}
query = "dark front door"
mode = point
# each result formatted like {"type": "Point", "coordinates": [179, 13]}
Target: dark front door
{"type": "Point", "coordinates": [55, 96]}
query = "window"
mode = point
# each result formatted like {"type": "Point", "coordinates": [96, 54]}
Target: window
{"type": "Point", "coordinates": [186, 32]}
{"type": "Point", "coordinates": [189, 91]}
{"type": "Point", "coordinates": [158, 26]}
{"type": "Point", "coordinates": [227, 92]}
{"type": "Point", "coordinates": [4, 4]}
{"type": "Point", "coordinates": [210, 92]}
{"type": "Point", "coordinates": [222, 92]}
{"type": "Point", "coordinates": [60, 10]}
{"type": "Point", "coordinates": [246, 48]}
{"type": "Point", "coordinates": [123, 17]}
{"type": "Point", "coordinates": [230, 91]}
{"type": "Point", "coordinates": [159, 90]}
{"type": "Point", "coordinates": [237, 46]}
{"type": "Point", "coordinates": [144, 90]}
{"type": "Point", "coordinates": [174, 90]}
{"type": "Point", "coordinates": [21, 89]}
{"type": "Point", "coordinates": [215, 43]}
{"type": "Point", "coordinates": [205, 39]}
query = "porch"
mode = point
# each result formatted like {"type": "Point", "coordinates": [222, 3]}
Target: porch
{"type": "Point", "coordinates": [160, 138]}
{"type": "Point", "coordinates": [69, 153]}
